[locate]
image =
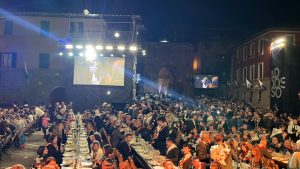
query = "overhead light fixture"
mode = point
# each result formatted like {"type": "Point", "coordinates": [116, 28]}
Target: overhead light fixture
{"type": "Point", "coordinates": [108, 92]}
{"type": "Point", "coordinates": [60, 54]}
{"type": "Point", "coordinates": [117, 34]}
{"type": "Point", "coordinates": [164, 41]}
{"type": "Point", "coordinates": [69, 46]}
{"type": "Point", "coordinates": [101, 54]}
{"type": "Point", "coordinates": [109, 47]}
{"type": "Point", "coordinates": [89, 47]}
{"type": "Point", "coordinates": [278, 43]}
{"type": "Point", "coordinates": [144, 53]}
{"type": "Point", "coordinates": [99, 47]}
{"type": "Point", "coordinates": [123, 56]}
{"type": "Point", "coordinates": [78, 46]}
{"type": "Point", "coordinates": [112, 55]}
{"type": "Point", "coordinates": [90, 54]}
{"type": "Point", "coordinates": [80, 54]}
{"type": "Point", "coordinates": [121, 48]}
{"type": "Point", "coordinates": [133, 48]}
{"type": "Point", "coordinates": [71, 54]}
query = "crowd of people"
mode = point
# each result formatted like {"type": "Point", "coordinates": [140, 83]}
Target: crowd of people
{"type": "Point", "coordinates": [205, 133]}
{"type": "Point", "coordinates": [16, 122]}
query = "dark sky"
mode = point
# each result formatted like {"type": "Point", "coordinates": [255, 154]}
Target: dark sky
{"type": "Point", "coordinates": [158, 14]}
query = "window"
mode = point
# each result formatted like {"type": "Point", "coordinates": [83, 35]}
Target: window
{"type": "Point", "coordinates": [237, 54]}
{"type": "Point", "coordinates": [244, 74]}
{"type": "Point", "coordinates": [45, 26]}
{"type": "Point", "coordinates": [290, 40]}
{"type": "Point", "coordinates": [252, 50]}
{"type": "Point", "coordinates": [8, 27]}
{"type": "Point", "coordinates": [76, 27]}
{"type": "Point", "coordinates": [44, 60]}
{"type": "Point", "coordinates": [8, 60]}
{"type": "Point", "coordinates": [260, 70]}
{"type": "Point", "coordinates": [252, 72]}
{"type": "Point", "coordinates": [261, 45]}
{"type": "Point", "coordinates": [245, 53]}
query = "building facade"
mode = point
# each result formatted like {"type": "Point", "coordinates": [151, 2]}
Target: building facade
{"type": "Point", "coordinates": [35, 67]}
{"type": "Point", "coordinates": [251, 71]}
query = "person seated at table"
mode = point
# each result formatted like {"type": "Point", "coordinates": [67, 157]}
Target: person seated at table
{"type": "Point", "coordinates": [275, 145]}
{"type": "Point", "coordinates": [197, 164]}
{"type": "Point", "coordinates": [51, 164]}
{"type": "Point", "coordinates": [172, 151]}
{"type": "Point", "coordinates": [287, 147]}
{"type": "Point", "coordinates": [264, 152]}
{"type": "Point", "coordinates": [294, 162]}
{"type": "Point", "coordinates": [203, 146]}
{"type": "Point", "coordinates": [142, 130]}
{"type": "Point", "coordinates": [124, 147]}
{"type": "Point", "coordinates": [97, 153]}
{"type": "Point", "coordinates": [42, 155]}
{"type": "Point", "coordinates": [186, 160]}
{"type": "Point", "coordinates": [168, 164]}
{"type": "Point", "coordinates": [108, 164]}
{"type": "Point", "coordinates": [116, 136]}
{"type": "Point", "coordinates": [245, 154]}
{"type": "Point", "coordinates": [53, 150]}
{"type": "Point", "coordinates": [90, 131]}
{"type": "Point", "coordinates": [95, 137]}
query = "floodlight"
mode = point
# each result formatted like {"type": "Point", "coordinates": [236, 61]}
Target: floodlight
{"type": "Point", "coordinates": [109, 47]}
{"type": "Point", "coordinates": [69, 46]}
{"type": "Point", "coordinates": [121, 48]}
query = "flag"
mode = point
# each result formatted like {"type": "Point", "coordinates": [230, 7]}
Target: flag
{"type": "Point", "coordinates": [248, 84]}
{"type": "Point", "coordinates": [260, 83]}
{"type": "Point", "coordinates": [26, 71]}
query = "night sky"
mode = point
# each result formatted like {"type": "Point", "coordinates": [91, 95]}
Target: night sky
{"type": "Point", "coordinates": [253, 15]}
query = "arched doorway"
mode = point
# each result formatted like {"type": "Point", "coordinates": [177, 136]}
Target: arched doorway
{"type": "Point", "coordinates": [58, 94]}
{"type": "Point", "coordinates": [166, 79]}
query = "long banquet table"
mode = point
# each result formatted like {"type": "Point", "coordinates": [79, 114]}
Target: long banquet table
{"type": "Point", "coordinates": [76, 151]}
{"type": "Point", "coordinates": [146, 155]}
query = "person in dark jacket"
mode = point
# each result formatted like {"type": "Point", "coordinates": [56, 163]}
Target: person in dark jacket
{"type": "Point", "coordinates": [160, 135]}
{"type": "Point", "coordinates": [142, 130]}
{"type": "Point", "coordinates": [53, 150]}
{"type": "Point", "coordinates": [116, 136]}
{"type": "Point", "coordinates": [124, 147]}
{"type": "Point", "coordinates": [172, 151]}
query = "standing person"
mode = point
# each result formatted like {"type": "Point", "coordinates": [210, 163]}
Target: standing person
{"type": "Point", "coordinates": [172, 151]}
{"type": "Point", "coordinates": [53, 150]}
{"type": "Point", "coordinates": [45, 123]}
{"type": "Point", "coordinates": [160, 135]}
{"type": "Point", "coordinates": [124, 147]}
{"type": "Point", "coordinates": [203, 147]}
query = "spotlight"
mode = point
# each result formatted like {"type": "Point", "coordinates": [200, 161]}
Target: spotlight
{"type": "Point", "coordinates": [164, 41]}
{"type": "Point", "coordinates": [90, 54]}
{"type": "Point", "coordinates": [60, 54]}
{"type": "Point", "coordinates": [112, 55]}
{"type": "Point", "coordinates": [86, 12]}
{"type": "Point", "coordinates": [99, 47]}
{"type": "Point", "coordinates": [121, 48]}
{"type": "Point", "coordinates": [123, 56]}
{"type": "Point", "coordinates": [133, 48]}
{"type": "Point", "coordinates": [101, 54]}
{"type": "Point", "coordinates": [109, 47]}
{"type": "Point", "coordinates": [144, 52]}
{"type": "Point", "coordinates": [89, 47]}
{"type": "Point", "coordinates": [80, 54]}
{"type": "Point", "coordinates": [71, 53]}
{"type": "Point", "coordinates": [69, 46]}
{"type": "Point", "coordinates": [79, 46]}
{"type": "Point", "coordinates": [108, 92]}
{"type": "Point", "coordinates": [117, 34]}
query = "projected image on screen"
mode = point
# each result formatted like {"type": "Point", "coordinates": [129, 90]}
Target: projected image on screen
{"type": "Point", "coordinates": [206, 81]}
{"type": "Point", "coordinates": [108, 71]}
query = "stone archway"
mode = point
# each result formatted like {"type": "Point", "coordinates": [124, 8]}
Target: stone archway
{"type": "Point", "coordinates": [58, 94]}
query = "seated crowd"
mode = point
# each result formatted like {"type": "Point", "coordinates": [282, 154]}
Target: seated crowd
{"type": "Point", "coordinates": [208, 133]}
{"type": "Point", "coordinates": [16, 122]}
